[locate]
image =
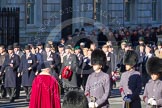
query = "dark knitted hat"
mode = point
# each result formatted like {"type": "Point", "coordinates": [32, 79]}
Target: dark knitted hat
{"type": "Point", "coordinates": [98, 57]}
{"type": "Point", "coordinates": [130, 58]}
{"type": "Point", "coordinates": [154, 65]}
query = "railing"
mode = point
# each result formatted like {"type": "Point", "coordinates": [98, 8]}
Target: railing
{"type": "Point", "coordinates": [9, 25]}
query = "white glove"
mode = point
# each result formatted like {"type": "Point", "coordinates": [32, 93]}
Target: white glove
{"type": "Point", "coordinates": [150, 100]}
{"type": "Point", "coordinates": [153, 103]}
{"type": "Point", "coordinates": [126, 99]}
{"type": "Point", "coordinates": [93, 105]}
{"type": "Point", "coordinates": [85, 60]}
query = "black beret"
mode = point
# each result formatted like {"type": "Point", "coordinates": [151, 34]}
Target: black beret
{"type": "Point", "coordinates": [98, 57]}
{"type": "Point", "coordinates": [141, 39]}
{"type": "Point", "coordinates": [154, 65]}
{"type": "Point", "coordinates": [130, 58]}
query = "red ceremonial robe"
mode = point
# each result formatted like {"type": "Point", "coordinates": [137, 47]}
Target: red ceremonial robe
{"type": "Point", "coordinates": [45, 93]}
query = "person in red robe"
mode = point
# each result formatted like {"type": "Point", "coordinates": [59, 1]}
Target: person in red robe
{"type": "Point", "coordinates": [45, 90]}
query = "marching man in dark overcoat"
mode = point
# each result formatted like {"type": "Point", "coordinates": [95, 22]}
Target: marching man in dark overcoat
{"type": "Point", "coordinates": [53, 59]}
{"type": "Point", "coordinates": [71, 61]}
{"type": "Point", "coordinates": [10, 67]}
{"type": "Point", "coordinates": [27, 69]}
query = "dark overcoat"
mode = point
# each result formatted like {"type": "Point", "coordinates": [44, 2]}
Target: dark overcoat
{"type": "Point", "coordinates": [53, 59]}
{"type": "Point", "coordinates": [73, 62]}
{"type": "Point", "coordinates": [10, 72]}
{"type": "Point", "coordinates": [28, 75]}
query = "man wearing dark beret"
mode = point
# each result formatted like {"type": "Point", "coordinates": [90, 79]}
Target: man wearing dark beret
{"type": "Point", "coordinates": [130, 83]}
{"type": "Point", "coordinates": [98, 83]}
{"type": "Point", "coordinates": [153, 89]}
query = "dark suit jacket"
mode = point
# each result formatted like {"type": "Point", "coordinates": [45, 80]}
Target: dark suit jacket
{"type": "Point", "coordinates": [28, 75]}
{"type": "Point", "coordinates": [54, 59]}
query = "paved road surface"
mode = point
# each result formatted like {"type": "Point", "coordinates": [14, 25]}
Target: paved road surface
{"type": "Point", "coordinates": [115, 101]}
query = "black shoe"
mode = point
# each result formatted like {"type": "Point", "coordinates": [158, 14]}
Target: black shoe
{"type": "Point", "coordinates": [11, 100]}
{"type": "Point", "coordinates": [17, 97]}
{"type": "Point", "coordinates": [27, 100]}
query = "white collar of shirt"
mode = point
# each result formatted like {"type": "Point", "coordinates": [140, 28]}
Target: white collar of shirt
{"type": "Point", "coordinates": [149, 55]}
{"type": "Point", "coordinates": [28, 55]}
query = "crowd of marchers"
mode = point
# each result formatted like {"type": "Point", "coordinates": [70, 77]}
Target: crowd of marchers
{"type": "Point", "coordinates": [47, 71]}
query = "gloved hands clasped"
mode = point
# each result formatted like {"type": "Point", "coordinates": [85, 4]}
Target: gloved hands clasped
{"type": "Point", "coordinates": [127, 99]}
{"type": "Point", "coordinates": [92, 105]}
{"type": "Point", "coordinates": [152, 102]}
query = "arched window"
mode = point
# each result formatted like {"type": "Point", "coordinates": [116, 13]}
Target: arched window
{"type": "Point", "coordinates": [154, 10]}
{"type": "Point", "coordinates": [30, 12]}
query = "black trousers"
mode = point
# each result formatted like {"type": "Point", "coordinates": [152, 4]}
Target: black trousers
{"type": "Point", "coordinates": [18, 86]}
{"type": "Point", "coordinates": [27, 91]}
{"type": "Point", "coordinates": [67, 89]}
{"type": "Point", "coordinates": [2, 88]}
{"type": "Point", "coordinates": [11, 91]}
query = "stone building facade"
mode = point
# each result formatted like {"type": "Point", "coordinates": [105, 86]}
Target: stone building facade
{"type": "Point", "coordinates": [40, 19]}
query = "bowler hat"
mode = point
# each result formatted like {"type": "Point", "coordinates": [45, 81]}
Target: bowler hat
{"type": "Point", "coordinates": [61, 46]}
{"type": "Point", "coordinates": [16, 45]}
{"type": "Point", "coordinates": [10, 47]}
{"type": "Point", "coordinates": [45, 64]}
{"type": "Point", "coordinates": [68, 47]}
{"type": "Point", "coordinates": [47, 46]}
{"type": "Point", "coordinates": [27, 47]}
{"type": "Point", "coordinates": [39, 44]}
{"type": "Point", "coordinates": [159, 43]}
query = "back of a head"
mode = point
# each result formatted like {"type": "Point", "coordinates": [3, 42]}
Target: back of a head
{"type": "Point", "coordinates": [75, 99]}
